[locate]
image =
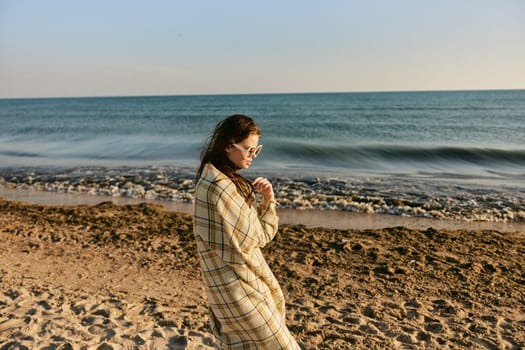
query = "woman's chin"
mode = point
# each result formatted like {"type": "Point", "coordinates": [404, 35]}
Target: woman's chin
{"type": "Point", "coordinates": [243, 166]}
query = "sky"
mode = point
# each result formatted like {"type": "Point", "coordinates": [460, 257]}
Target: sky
{"type": "Point", "coordinates": [63, 48]}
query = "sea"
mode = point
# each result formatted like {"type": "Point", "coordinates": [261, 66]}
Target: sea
{"type": "Point", "coordinates": [438, 154]}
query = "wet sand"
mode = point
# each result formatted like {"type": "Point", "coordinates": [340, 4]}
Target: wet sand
{"type": "Point", "coordinates": [332, 219]}
{"type": "Point", "coordinates": [111, 276]}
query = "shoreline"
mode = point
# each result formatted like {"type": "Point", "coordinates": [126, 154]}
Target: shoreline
{"type": "Point", "coordinates": [311, 218]}
{"type": "Point", "coordinates": [394, 195]}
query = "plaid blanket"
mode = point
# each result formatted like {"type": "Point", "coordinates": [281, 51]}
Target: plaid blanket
{"type": "Point", "coordinates": [246, 304]}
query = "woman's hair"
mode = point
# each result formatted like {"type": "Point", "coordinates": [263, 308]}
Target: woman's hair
{"type": "Point", "coordinates": [231, 130]}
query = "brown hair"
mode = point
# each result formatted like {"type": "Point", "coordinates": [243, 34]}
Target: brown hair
{"type": "Point", "coordinates": [231, 130]}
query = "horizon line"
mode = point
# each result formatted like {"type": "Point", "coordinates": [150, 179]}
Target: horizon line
{"type": "Point", "coordinates": [259, 93]}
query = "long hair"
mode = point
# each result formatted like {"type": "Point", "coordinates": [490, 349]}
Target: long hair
{"type": "Point", "coordinates": [231, 130]}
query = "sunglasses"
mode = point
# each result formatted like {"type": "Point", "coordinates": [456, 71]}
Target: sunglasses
{"type": "Point", "coordinates": [252, 151]}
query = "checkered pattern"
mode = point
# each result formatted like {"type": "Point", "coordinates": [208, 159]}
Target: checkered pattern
{"type": "Point", "coordinates": [247, 308]}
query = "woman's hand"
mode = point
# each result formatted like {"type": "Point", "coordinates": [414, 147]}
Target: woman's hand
{"type": "Point", "coordinates": [264, 186]}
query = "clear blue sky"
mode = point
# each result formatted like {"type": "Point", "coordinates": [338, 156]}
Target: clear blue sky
{"type": "Point", "coordinates": [128, 47]}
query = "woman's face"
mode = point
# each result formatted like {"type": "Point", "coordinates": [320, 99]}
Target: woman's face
{"type": "Point", "coordinates": [242, 153]}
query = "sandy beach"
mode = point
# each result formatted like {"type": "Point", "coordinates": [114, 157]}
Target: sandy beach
{"type": "Point", "coordinates": [113, 276]}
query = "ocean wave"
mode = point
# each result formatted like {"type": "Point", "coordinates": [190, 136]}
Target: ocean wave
{"type": "Point", "coordinates": [396, 153]}
{"type": "Point", "coordinates": [387, 195]}
{"type": "Point", "coordinates": [23, 154]}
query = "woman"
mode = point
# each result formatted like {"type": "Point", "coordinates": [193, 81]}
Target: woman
{"type": "Point", "coordinates": [246, 303]}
